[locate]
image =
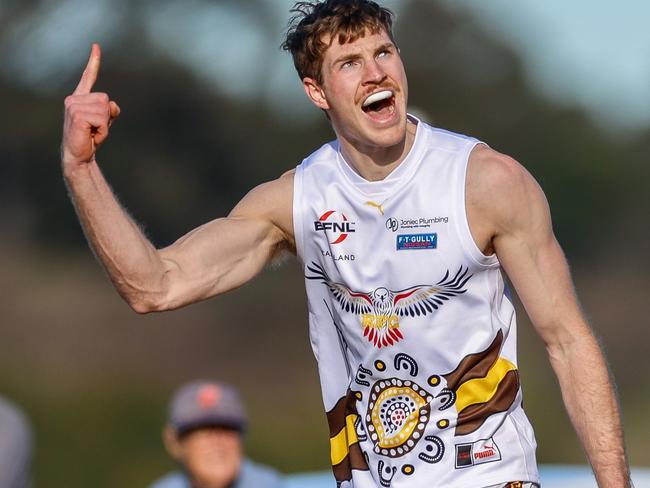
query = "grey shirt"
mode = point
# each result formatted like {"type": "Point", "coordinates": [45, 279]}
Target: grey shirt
{"type": "Point", "coordinates": [15, 447]}
{"type": "Point", "coordinates": [252, 475]}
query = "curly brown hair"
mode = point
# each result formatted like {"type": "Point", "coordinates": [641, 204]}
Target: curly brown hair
{"type": "Point", "coordinates": [314, 22]}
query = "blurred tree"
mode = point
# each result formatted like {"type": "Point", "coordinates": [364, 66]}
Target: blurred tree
{"type": "Point", "coordinates": [470, 83]}
{"type": "Point", "coordinates": [95, 377]}
{"type": "Point", "coordinates": [182, 153]}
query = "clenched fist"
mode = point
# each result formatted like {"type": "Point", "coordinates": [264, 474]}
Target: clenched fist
{"type": "Point", "coordinates": [87, 118]}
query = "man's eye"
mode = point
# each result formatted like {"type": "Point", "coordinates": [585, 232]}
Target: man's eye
{"type": "Point", "coordinates": [347, 64]}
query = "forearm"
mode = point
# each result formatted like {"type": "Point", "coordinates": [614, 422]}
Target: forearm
{"type": "Point", "coordinates": [131, 261]}
{"type": "Point", "coordinates": [591, 403]}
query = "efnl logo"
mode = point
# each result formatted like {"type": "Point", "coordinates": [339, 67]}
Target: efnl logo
{"type": "Point", "coordinates": [408, 242]}
{"type": "Point", "coordinates": [339, 228]}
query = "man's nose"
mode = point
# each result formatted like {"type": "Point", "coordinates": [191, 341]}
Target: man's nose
{"type": "Point", "coordinates": [374, 72]}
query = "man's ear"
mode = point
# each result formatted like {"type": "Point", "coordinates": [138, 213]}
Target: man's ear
{"type": "Point", "coordinates": [315, 93]}
{"type": "Point", "coordinates": [172, 443]}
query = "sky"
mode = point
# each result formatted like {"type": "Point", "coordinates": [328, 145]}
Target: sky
{"type": "Point", "coordinates": [592, 53]}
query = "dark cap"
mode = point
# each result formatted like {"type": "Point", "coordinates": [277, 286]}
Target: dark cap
{"type": "Point", "coordinates": [206, 403]}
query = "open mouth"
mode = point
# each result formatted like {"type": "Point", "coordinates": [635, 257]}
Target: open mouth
{"type": "Point", "coordinates": [380, 105]}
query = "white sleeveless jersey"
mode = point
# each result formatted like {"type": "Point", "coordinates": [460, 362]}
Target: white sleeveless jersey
{"type": "Point", "coordinates": [414, 335]}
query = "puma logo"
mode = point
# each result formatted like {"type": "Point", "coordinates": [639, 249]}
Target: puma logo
{"type": "Point", "coordinates": [378, 206]}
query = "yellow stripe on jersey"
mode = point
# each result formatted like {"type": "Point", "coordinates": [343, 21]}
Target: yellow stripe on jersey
{"type": "Point", "coordinates": [341, 442]}
{"type": "Point", "coordinates": [480, 390]}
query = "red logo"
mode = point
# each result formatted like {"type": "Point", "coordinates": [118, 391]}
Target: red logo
{"type": "Point", "coordinates": [208, 396]}
{"type": "Point", "coordinates": [480, 452]}
{"type": "Point", "coordinates": [336, 227]}
{"type": "Point", "coordinates": [488, 451]}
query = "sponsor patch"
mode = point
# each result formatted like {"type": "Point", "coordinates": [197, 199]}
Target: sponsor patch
{"type": "Point", "coordinates": [337, 228]}
{"type": "Point", "coordinates": [479, 452]}
{"type": "Point", "coordinates": [463, 455]}
{"type": "Point", "coordinates": [408, 242]}
{"type": "Point", "coordinates": [338, 257]}
{"type": "Point", "coordinates": [394, 224]}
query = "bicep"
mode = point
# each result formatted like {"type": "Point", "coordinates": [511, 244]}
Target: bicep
{"type": "Point", "coordinates": [226, 253]}
{"type": "Point", "coordinates": [542, 280]}
{"type": "Point", "coordinates": [217, 257]}
{"type": "Point", "coordinates": [534, 262]}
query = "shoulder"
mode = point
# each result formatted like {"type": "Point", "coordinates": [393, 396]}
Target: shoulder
{"type": "Point", "coordinates": [254, 475]}
{"type": "Point", "coordinates": [15, 445]}
{"type": "Point", "coordinates": [500, 189]}
{"type": "Point", "coordinates": [446, 140]}
{"type": "Point", "coordinates": [172, 480]}
{"type": "Point", "coordinates": [271, 201]}
{"type": "Point", "coordinates": [319, 163]}
{"type": "Point", "coordinates": [17, 434]}
{"type": "Point", "coordinates": [323, 154]}
{"type": "Point", "coordinates": [272, 193]}
{"type": "Point", "coordinates": [491, 169]}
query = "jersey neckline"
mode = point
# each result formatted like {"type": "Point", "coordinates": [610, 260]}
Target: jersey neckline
{"type": "Point", "coordinates": [395, 179]}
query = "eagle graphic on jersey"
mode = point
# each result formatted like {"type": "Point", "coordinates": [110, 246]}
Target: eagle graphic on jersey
{"type": "Point", "coordinates": [380, 308]}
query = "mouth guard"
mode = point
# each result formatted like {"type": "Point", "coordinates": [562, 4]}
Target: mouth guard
{"type": "Point", "coordinates": [376, 97]}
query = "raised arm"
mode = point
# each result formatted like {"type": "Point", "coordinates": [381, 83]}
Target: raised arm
{"type": "Point", "coordinates": [511, 216]}
{"type": "Point", "coordinates": [214, 258]}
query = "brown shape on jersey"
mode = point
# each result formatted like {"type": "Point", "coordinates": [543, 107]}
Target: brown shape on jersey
{"type": "Point", "coordinates": [473, 416]}
{"type": "Point", "coordinates": [336, 419]}
{"type": "Point", "coordinates": [475, 365]}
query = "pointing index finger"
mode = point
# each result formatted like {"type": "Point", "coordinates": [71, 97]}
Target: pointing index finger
{"type": "Point", "coordinates": [89, 75]}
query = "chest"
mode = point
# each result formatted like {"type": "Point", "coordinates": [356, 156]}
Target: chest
{"type": "Point", "coordinates": [397, 239]}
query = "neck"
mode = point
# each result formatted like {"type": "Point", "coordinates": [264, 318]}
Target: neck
{"type": "Point", "coordinates": [376, 163]}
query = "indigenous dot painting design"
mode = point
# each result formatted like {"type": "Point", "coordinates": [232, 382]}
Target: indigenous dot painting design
{"type": "Point", "coordinates": [403, 415]}
{"type": "Point", "coordinates": [398, 412]}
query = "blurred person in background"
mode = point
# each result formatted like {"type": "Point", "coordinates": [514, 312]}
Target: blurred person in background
{"type": "Point", "coordinates": [403, 231]}
{"type": "Point", "coordinates": [205, 436]}
{"type": "Point", "coordinates": [15, 447]}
